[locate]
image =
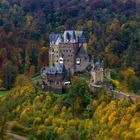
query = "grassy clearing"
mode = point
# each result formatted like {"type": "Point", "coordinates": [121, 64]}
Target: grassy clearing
{"type": "Point", "coordinates": [2, 93]}
{"type": "Point", "coordinates": [36, 78]}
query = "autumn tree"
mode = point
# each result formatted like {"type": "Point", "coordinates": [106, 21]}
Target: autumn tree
{"type": "Point", "coordinates": [43, 56]}
{"type": "Point", "coordinates": [9, 72]}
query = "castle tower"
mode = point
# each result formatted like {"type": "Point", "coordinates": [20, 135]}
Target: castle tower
{"type": "Point", "coordinates": [51, 57]}
{"type": "Point", "coordinates": [97, 73]}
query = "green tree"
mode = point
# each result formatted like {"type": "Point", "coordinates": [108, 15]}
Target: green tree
{"type": "Point", "coordinates": [9, 72]}
{"type": "Point", "coordinates": [78, 89]}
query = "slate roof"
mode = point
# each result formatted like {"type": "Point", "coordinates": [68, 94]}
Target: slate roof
{"type": "Point", "coordinates": [81, 52]}
{"type": "Point", "coordinates": [54, 37]}
{"type": "Point", "coordinates": [54, 70]}
{"type": "Point", "coordinates": [97, 66]}
{"type": "Point", "coordinates": [69, 35]}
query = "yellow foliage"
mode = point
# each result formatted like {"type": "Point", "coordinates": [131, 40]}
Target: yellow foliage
{"type": "Point", "coordinates": [137, 136]}
{"type": "Point", "coordinates": [63, 109]}
{"type": "Point", "coordinates": [18, 108]}
{"type": "Point", "coordinates": [138, 100]}
{"type": "Point", "coordinates": [58, 122]}
{"type": "Point", "coordinates": [56, 109]}
{"type": "Point", "coordinates": [120, 86]}
{"type": "Point", "coordinates": [48, 100]}
{"type": "Point", "coordinates": [41, 129]}
{"type": "Point", "coordinates": [103, 119]}
{"type": "Point", "coordinates": [89, 23]}
{"type": "Point", "coordinates": [50, 118]}
{"type": "Point", "coordinates": [131, 109]}
{"type": "Point", "coordinates": [62, 115]}
{"type": "Point", "coordinates": [135, 123]}
{"type": "Point", "coordinates": [29, 20]}
{"type": "Point", "coordinates": [129, 136]}
{"type": "Point", "coordinates": [81, 125]}
{"type": "Point", "coordinates": [92, 40]}
{"type": "Point", "coordinates": [63, 123]}
{"type": "Point", "coordinates": [72, 122]}
{"type": "Point", "coordinates": [107, 48]}
{"type": "Point", "coordinates": [88, 124]}
{"type": "Point", "coordinates": [94, 103]}
{"type": "Point", "coordinates": [59, 130]}
{"type": "Point", "coordinates": [23, 116]}
{"type": "Point", "coordinates": [70, 109]}
{"type": "Point", "coordinates": [44, 110]}
{"type": "Point", "coordinates": [115, 131]}
{"type": "Point", "coordinates": [78, 103]}
{"type": "Point", "coordinates": [128, 73]}
{"type": "Point", "coordinates": [113, 26]}
{"type": "Point", "coordinates": [37, 98]}
{"type": "Point", "coordinates": [54, 122]}
{"type": "Point", "coordinates": [47, 121]}
{"type": "Point", "coordinates": [137, 131]}
{"type": "Point", "coordinates": [41, 96]}
{"type": "Point", "coordinates": [124, 122]}
{"type": "Point", "coordinates": [13, 124]}
{"type": "Point", "coordinates": [112, 117]}
{"type": "Point", "coordinates": [37, 120]}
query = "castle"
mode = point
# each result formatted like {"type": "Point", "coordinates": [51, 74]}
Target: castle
{"type": "Point", "coordinates": [67, 55]}
{"type": "Point", "coordinates": [73, 46]}
{"type": "Point", "coordinates": [55, 78]}
{"type": "Point", "coordinates": [98, 73]}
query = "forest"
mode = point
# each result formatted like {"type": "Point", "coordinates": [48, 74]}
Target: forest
{"type": "Point", "coordinates": [111, 28]}
{"type": "Point", "coordinates": [80, 115]}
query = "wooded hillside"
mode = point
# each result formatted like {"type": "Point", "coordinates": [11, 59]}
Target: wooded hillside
{"type": "Point", "coordinates": [79, 115]}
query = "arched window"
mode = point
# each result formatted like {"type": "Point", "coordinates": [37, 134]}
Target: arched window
{"type": "Point", "coordinates": [78, 61]}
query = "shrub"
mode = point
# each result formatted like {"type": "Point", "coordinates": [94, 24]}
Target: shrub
{"type": "Point", "coordinates": [138, 107]}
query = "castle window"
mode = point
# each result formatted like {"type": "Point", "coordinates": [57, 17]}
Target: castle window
{"type": "Point", "coordinates": [67, 60]}
{"type": "Point", "coordinates": [78, 61]}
